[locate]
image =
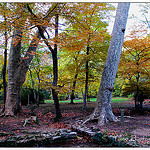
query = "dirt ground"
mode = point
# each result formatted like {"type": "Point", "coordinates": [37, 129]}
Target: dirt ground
{"type": "Point", "coordinates": [137, 124]}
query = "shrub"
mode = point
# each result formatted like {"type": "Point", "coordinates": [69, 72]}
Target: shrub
{"type": "Point", "coordinates": [24, 96]}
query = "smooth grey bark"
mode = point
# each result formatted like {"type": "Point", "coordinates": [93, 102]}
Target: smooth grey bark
{"type": "Point", "coordinates": [18, 67]}
{"type": "Point", "coordinates": [103, 111]}
{"type": "Point", "coordinates": [13, 104]}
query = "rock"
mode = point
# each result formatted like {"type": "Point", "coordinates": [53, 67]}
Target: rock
{"type": "Point", "coordinates": [32, 137]}
{"type": "Point", "coordinates": [56, 137]}
{"type": "Point", "coordinates": [90, 133]}
{"type": "Point", "coordinates": [132, 142]}
{"type": "Point", "coordinates": [72, 135]}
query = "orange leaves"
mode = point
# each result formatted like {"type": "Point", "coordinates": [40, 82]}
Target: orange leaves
{"type": "Point", "coordinates": [25, 58]}
{"type": "Point", "coordinates": [134, 62]}
{"type": "Point", "coordinates": [32, 53]}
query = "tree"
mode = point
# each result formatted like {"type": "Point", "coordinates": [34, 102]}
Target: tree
{"type": "Point", "coordinates": [18, 66]}
{"type": "Point", "coordinates": [134, 65]}
{"type": "Point", "coordinates": [103, 111]}
{"type": "Point", "coordinates": [83, 37]}
{"type": "Point", "coordinates": [54, 56]}
{"type": "Point", "coordinates": [5, 30]}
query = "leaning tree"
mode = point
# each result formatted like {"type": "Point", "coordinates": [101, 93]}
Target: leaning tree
{"type": "Point", "coordinates": [103, 111]}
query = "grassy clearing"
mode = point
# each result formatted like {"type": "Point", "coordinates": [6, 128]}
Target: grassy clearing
{"type": "Point", "coordinates": [116, 99]}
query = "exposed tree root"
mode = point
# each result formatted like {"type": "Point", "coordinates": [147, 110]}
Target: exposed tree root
{"type": "Point", "coordinates": [102, 118]}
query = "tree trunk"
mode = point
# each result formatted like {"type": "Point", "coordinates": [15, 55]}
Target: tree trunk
{"type": "Point", "coordinates": [15, 80]}
{"type": "Point", "coordinates": [38, 92]}
{"type": "Point", "coordinates": [73, 89]}
{"type": "Point", "coordinates": [32, 84]}
{"type": "Point", "coordinates": [55, 79]}
{"type": "Point", "coordinates": [103, 111]}
{"type": "Point", "coordinates": [86, 81]}
{"type": "Point", "coordinates": [4, 68]}
{"type": "Point", "coordinates": [18, 67]}
{"type": "Point", "coordinates": [5, 63]}
{"type": "Point", "coordinates": [69, 98]}
{"type": "Point", "coordinates": [55, 72]}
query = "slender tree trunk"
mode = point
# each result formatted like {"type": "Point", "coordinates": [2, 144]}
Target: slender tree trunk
{"type": "Point", "coordinates": [55, 79]}
{"type": "Point", "coordinates": [38, 75]}
{"type": "Point", "coordinates": [73, 89]}
{"type": "Point", "coordinates": [86, 80]}
{"type": "Point", "coordinates": [4, 68]}
{"type": "Point", "coordinates": [55, 72]}
{"type": "Point", "coordinates": [103, 111]}
{"type": "Point", "coordinates": [38, 92]}
{"type": "Point", "coordinates": [5, 62]}
{"type": "Point", "coordinates": [69, 98]}
{"type": "Point", "coordinates": [32, 84]}
{"type": "Point", "coordinates": [28, 104]}
{"type": "Point", "coordinates": [137, 89]}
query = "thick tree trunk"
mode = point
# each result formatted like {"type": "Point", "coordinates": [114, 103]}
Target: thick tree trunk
{"type": "Point", "coordinates": [73, 89]}
{"type": "Point", "coordinates": [103, 111]}
{"type": "Point", "coordinates": [15, 81]}
{"type": "Point", "coordinates": [18, 67]}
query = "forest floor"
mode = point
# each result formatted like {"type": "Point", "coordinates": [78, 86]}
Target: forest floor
{"type": "Point", "coordinates": [135, 124]}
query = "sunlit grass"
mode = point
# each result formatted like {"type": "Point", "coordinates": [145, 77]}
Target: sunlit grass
{"type": "Point", "coordinates": [116, 99]}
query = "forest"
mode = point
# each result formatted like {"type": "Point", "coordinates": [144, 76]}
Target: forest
{"type": "Point", "coordinates": [60, 68]}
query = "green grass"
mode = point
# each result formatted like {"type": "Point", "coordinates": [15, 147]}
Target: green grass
{"type": "Point", "coordinates": [116, 99]}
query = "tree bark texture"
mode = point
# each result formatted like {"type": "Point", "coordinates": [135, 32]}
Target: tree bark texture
{"type": "Point", "coordinates": [4, 67]}
{"type": "Point", "coordinates": [86, 80]}
{"type": "Point", "coordinates": [18, 67]}
{"type": "Point", "coordinates": [55, 72]}
{"type": "Point", "coordinates": [5, 61]}
{"type": "Point", "coordinates": [15, 81]}
{"type": "Point", "coordinates": [73, 88]}
{"type": "Point", "coordinates": [103, 111]}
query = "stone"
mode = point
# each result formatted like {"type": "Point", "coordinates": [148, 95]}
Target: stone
{"type": "Point", "coordinates": [90, 133]}
{"type": "Point", "coordinates": [56, 137]}
{"type": "Point", "coordinates": [132, 142]}
{"type": "Point", "coordinates": [72, 135]}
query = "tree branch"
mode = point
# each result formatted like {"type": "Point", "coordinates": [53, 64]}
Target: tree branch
{"type": "Point", "coordinates": [34, 43]}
